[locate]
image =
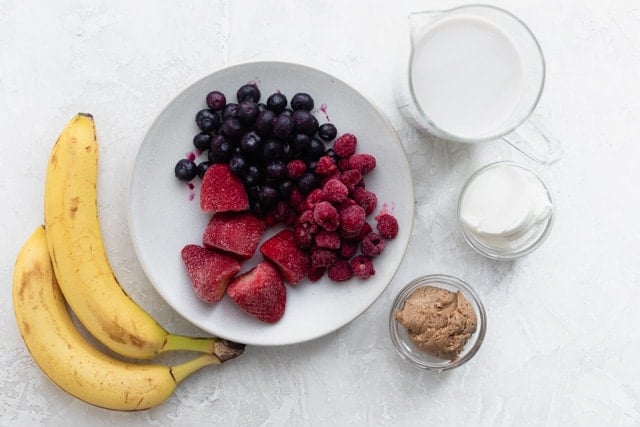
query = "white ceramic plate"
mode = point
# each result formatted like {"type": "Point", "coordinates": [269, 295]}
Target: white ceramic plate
{"type": "Point", "coordinates": [163, 219]}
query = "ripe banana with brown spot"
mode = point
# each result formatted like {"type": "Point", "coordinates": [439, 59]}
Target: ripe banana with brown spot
{"type": "Point", "coordinates": [69, 360]}
{"type": "Point", "coordinates": [79, 259]}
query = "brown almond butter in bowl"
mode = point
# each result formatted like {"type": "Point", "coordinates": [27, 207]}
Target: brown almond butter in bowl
{"type": "Point", "coordinates": [439, 322]}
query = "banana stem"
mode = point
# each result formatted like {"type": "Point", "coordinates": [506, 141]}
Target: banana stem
{"type": "Point", "coordinates": [183, 370]}
{"type": "Point", "coordinates": [221, 349]}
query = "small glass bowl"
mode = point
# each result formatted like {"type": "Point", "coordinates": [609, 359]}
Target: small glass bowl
{"type": "Point", "coordinates": [526, 244]}
{"type": "Point", "coordinates": [410, 352]}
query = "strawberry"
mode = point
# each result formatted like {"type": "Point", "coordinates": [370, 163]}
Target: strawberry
{"type": "Point", "coordinates": [209, 271]}
{"type": "Point", "coordinates": [222, 191]}
{"type": "Point", "coordinates": [235, 232]}
{"type": "Point", "coordinates": [283, 251]}
{"type": "Point", "coordinates": [260, 292]}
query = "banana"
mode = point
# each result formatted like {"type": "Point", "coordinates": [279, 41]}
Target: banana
{"type": "Point", "coordinates": [69, 360]}
{"type": "Point", "coordinates": [79, 259]}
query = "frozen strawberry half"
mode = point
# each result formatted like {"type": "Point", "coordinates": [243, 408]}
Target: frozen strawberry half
{"type": "Point", "coordinates": [209, 271]}
{"type": "Point", "coordinates": [222, 191]}
{"type": "Point", "coordinates": [283, 251]}
{"type": "Point", "coordinates": [235, 232]}
{"type": "Point", "coordinates": [260, 292]}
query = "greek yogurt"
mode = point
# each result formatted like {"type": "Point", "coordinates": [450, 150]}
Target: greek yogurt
{"type": "Point", "coordinates": [505, 210]}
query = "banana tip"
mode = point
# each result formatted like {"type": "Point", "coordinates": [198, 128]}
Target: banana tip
{"type": "Point", "coordinates": [86, 115]}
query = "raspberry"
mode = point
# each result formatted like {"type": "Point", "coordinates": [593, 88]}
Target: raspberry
{"type": "Point", "coordinates": [305, 229]}
{"type": "Point", "coordinates": [352, 218]}
{"type": "Point", "coordinates": [296, 168]}
{"type": "Point", "coordinates": [365, 198]}
{"type": "Point", "coordinates": [366, 229]}
{"type": "Point", "coordinates": [350, 178]}
{"type": "Point", "coordinates": [316, 274]}
{"type": "Point", "coordinates": [343, 164]}
{"type": "Point", "coordinates": [327, 239]}
{"type": "Point", "coordinates": [348, 248]}
{"type": "Point", "coordinates": [340, 271]}
{"type": "Point", "coordinates": [296, 198]}
{"type": "Point", "coordinates": [387, 225]}
{"type": "Point", "coordinates": [326, 216]}
{"type": "Point", "coordinates": [372, 244]}
{"type": "Point", "coordinates": [362, 267]}
{"type": "Point", "coordinates": [325, 166]}
{"type": "Point", "coordinates": [335, 191]}
{"type": "Point", "coordinates": [316, 196]}
{"type": "Point", "coordinates": [345, 146]}
{"type": "Point", "coordinates": [322, 258]}
{"type": "Point", "coordinates": [365, 163]}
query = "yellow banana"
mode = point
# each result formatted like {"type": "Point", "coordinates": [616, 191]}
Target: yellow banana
{"type": "Point", "coordinates": [79, 259]}
{"type": "Point", "coordinates": [69, 360]}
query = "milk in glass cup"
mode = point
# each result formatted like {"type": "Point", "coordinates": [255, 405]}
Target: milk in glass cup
{"type": "Point", "coordinates": [476, 73]}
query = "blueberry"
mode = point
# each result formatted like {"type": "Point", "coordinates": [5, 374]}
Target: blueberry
{"type": "Point", "coordinates": [257, 209]}
{"type": "Point", "coordinates": [272, 149]}
{"type": "Point", "coordinates": [221, 149]}
{"type": "Point", "coordinates": [202, 141]}
{"type": "Point", "coordinates": [264, 122]}
{"type": "Point", "coordinates": [287, 152]}
{"type": "Point", "coordinates": [230, 111]}
{"type": "Point", "coordinates": [304, 122]}
{"type": "Point", "coordinates": [252, 176]}
{"type": "Point", "coordinates": [251, 143]}
{"type": "Point", "coordinates": [262, 106]}
{"type": "Point", "coordinates": [268, 196]}
{"type": "Point", "coordinates": [237, 164]}
{"type": "Point", "coordinates": [202, 168]}
{"type": "Point", "coordinates": [231, 128]}
{"type": "Point", "coordinates": [216, 100]}
{"type": "Point", "coordinates": [276, 170]}
{"type": "Point", "coordinates": [327, 131]}
{"type": "Point", "coordinates": [207, 120]}
{"type": "Point", "coordinates": [285, 188]}
{"type": "Point", "coordinates": [315, 150]}
{"type": "Point", "coordinates": [185, 170]}
{"type": "Point", "coordinates": [248, 112]}
{"type": "Point", "coordinates": [283, 126]}
{"type": "Point", "coordinates": [302, 101]}
{"type": "Point", "coordinates": [248, 92]}
{"type": "Point", "coordinates": [300, 144]}
{"type": "Point", "coordinates": [332, 153]}
{"type": "Point", "coordinates": [277, 102]}
{"type": "Point", "coordinates": [308, 182]}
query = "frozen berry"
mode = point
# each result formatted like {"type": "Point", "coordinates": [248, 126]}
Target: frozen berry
{"type": "Point", "coordinates": [237, 164]}
{"type": "Point", "coordinates": [268, 196]}
{"type": "Point", "coordinates": [251, 144]}
{"type": "Point", "coordinates": [185, 170]}
{"type": "Point", "coordinates": [296, 168]}
{"type": "Point", "coordinates": [252, 176]}
{"type": "Point", "coordinates": [365, 163]}
{"type": "Point", "coordinates": [340, 271]}
{"type": "Point", "coordinates": [307, 183]}
{"type": "Point", "coordinates": [248, 92]}
{"type": "Point", "coordinates": [277, 102]}
{"type": "Point", "coordinates": [352, 218]}
{"type": "Point", "coordinates": [300, 144]}
{"type": "Point", "coordinates": [221, 149]}
{"type": "Point", "coordinates": [316, 274]}
{"type": "Point", "coordinates": [365, 198]}
{"type": "Point", "coordinates": [202, 141]}
{"type": "Point", "coordinates": [216, 100]}
{"type": "Point", "coordinates": [315, 149]}
{"type": "Point", "coordinates": [387, 225]}
{"type": "Point", "coordinates": [202, 168]}
{"type": "Point", "coordinates": [327, 131]}
{"type": "Point", "coordinates": [321, 257]}
{"type": "Point", "coordinates": [335, 191]}
{"type": "Point", "coordinates": [283, 126]}
{"type": "Point", "coordinates": [264, 122]}
{"type": "Point", "coordinates": [207, 120]}
{"type": "Point", "coordinates": [272, 150]}
{"type": "Point", "coordinates": [348, 248]}
{"type": "Point", "coordinates": [248, 112]}
{"type": "Point", "coordinates": [304, 122]}
{"type": "Point", "coordinates": [372, 244]}
{"type": "Point", "coordinates": [327, 239]}
{"type": "Point", "coordinates": [276, 170]}
{"type": "Point", "coordinates": [362, 267]}
{"type": "Point", "coordinates": [326, 216]}
{"type": "Point", "coordinates": [230, 111]}
{"type": "Point", "coordinates": [345, 146]}
{"type": "Point", "coordinates": [286, 188]}
{"type": "Point", "coordinates": [325, 166]}
{"type": "Point", "coordinates": [351, 178]}
{"type": "Point", "coordinates": [302, 101]}
{"type": "Point", "coordinates": [231, 128]}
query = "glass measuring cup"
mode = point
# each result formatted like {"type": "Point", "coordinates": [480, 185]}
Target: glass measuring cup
{"type": "Point", "coordinates": [476, 73]}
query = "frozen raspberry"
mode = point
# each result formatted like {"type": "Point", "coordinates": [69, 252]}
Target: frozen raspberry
{"type": "Point", "coordinates": [340, 271]}
{"type": "Point", "coordinates": [366, 229]}
{"type": "Point", "coordinates": [352, 218]}
{"type": "Point", "coordinates": [362, 267]}
{"type": "Point", "coordinates": [316, 196]}
{"type": "Point", "coordinates": [335, 191]}
{"type": "Point", "coordinates": [348, 248]}
{"type": "Point", "coordinates": [305, 229]}
{"type": "Point", "coordinates": [365, 163]}
{"type": "Point", "coordinates": [327, 239]}
{"type": "Point", "coordinates": [343, 164]}
{"type": "Point", "coordinates": [326, 216]}
{"type": "Point", "coordinates": [296, 198]}
{"type": "Point", "coordinates": [372, 244]}
{"type": "Point", "coordinates": [322, 258]}
{"type": "Point", "coordinates": [345, 146]}
{"type": "Point", "coordinates": [325, 166]}
{"type": "Point", "coordinates": [351, 178]}
{"type": "Point", "coordinates": [296, 168]}
{"type": "Point", "coordinates": [316, 274]}
{"type": "Point", "coordinates": [365, 198]}
{"type": "Point", "coordinates": [387, 225]}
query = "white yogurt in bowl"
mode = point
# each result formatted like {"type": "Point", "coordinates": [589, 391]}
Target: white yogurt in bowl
{"type": "Point", "coordinates": [505, 210]}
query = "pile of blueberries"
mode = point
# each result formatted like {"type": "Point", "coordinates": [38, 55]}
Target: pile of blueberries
{"type": "Point", "coordinates": [257, 140]}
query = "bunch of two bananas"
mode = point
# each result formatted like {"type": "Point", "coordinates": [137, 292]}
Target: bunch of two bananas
{"type": "Point", "coordinates": [64, 262]}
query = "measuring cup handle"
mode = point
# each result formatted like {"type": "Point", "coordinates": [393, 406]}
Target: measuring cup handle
{"type": "Point", "coordinates": [534, 141]}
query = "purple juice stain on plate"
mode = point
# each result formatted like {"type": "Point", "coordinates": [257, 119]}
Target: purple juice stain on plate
{"type": "Point", "coordinates": [323, 109]}
{"type": "Point", "coordinates": [192, 191]}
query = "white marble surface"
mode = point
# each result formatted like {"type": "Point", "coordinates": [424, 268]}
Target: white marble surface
{"type": "Point", "coordinates": [562, 344]}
